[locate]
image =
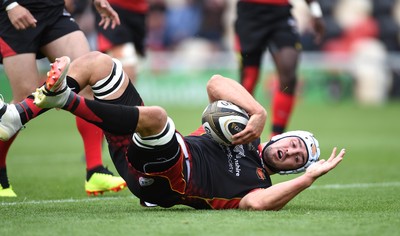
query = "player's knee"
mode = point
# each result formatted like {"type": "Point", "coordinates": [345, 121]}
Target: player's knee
{"type": "Point", "coordinates": [129, 56]}
{"type": "Point", "coordinates": [152, 120]}
{"type": "Point", "coordinates": [110, 77]}
{"type": "Point", "coordinates": [158, 116]}
{"type": "Point", "coordinates": [288, 84]}
{"type": "Point", "coordinates": [149, 138]}
{"type": "Point", "coordinates": [95, 56]}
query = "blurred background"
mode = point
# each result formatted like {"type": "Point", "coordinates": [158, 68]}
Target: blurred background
{"type": "Point", "coordinates": [189, 40]}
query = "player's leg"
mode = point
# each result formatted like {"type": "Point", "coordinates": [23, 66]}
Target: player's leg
{"type": "Point", "coordinates": [118, 119]}
{"type": "Point", "coordinates": [126, 53]}
{"type": "Point", "coordinates": [250, 41]}
{"type": "Point", "coordinates": [73, 45]}
{"type": "Point", "coordinates": [21, 86]}
{"type": "Point", "coordinates": [285, 47]}
{"type": "Point", "coordinates": [126, 42]}
{"type": "Point", "coordinates": [286, 60]}
{"type": "Point", "coordinates": [108, 81]}
{"type": "Point", "coordinates": [103, 72]}
{"type": "Point", "coordinates": [250, 63]}
{"type": "Point", "coordinates": [157, 148]}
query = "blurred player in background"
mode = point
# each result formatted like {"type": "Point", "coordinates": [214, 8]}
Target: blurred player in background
{"type": "Point", "coordinates": [127, 41]}
{"type": "Point", "coordinates": [31, 29]}
{"type": "Point", "coordinates": [269, 24]}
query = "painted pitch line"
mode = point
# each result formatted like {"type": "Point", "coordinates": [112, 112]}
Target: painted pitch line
{"type": "Point", "coordinates": [328, 186]}
{"type": "Point", "coordinates": [71, 200]}
{"type": "Point", "coordinates": [360, 185]}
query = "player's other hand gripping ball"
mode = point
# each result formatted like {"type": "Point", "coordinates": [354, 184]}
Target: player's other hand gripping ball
{"type": "Point", "coordinates": [222, 119]}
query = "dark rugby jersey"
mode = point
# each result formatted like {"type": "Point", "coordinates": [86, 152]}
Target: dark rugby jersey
{"type": "Point", "coordinates": [32, 4]}
{"type": "Point", "coordinates": [220, 176]}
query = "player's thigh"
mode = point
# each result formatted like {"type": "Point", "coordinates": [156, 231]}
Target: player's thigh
{"type": "Point", "coordinates": [22, 72]}
{"type": "Point", "coordinates": [286, 59]}
{"type": "Point", "coordinates": [72, 45]}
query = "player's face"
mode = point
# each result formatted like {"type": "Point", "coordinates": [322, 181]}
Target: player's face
{"type": "Point", "coordinates": [286, 154]}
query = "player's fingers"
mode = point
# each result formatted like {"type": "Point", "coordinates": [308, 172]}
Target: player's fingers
{"type": "Point", "coordinates": [113, 24]}
{"type": "Point", "coordinates": [19, 26]}
{"type": "Point", "coordinates": [115, 18]}
{"type": "Point", "coordinates": [242, 137]}
{"type": "Point", "coordinates": [105, 22]}
{"type": "Point", "coordinates": [29, 22]}
{"type": "Point", "coordinates": [333, 154]}
{"type": "Point", "coordinates": [340, 156]}
{"type": "Point", "coordinates": [337, 159]}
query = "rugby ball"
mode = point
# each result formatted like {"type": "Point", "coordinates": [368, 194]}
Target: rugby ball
{"type": "Point", "coordinates": [222, 119]}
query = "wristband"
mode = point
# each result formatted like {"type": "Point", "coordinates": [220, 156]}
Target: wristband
{"type": "Point", "coordinates": [315, 9]}
{"type": "Point", "coordinates": [11, 6]}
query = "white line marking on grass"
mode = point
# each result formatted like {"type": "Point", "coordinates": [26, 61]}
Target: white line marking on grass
{"type": "Point", "coordinates": [359, 185]}
{"type": "Point", "coordinates": [62, 201]}
{"type": "Point", "coordinates": [328, 186]}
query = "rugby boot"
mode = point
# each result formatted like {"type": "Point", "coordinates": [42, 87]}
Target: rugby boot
{"type": "Point", "coordinates": [7, 192]}
{"type": "Point", "coordinates": [55, 92]}
{"type": "Point", "coordinates": [104, 181]}
{"type": "Point", "coordinates": [10, 122]}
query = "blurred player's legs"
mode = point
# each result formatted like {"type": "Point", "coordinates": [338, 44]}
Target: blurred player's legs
{"type": "Point", "coordinates": [274, 29]}
{"type": "Point", "coordinates": [126, 53]}
{"type": "Point", "coordinates": [127, 41]}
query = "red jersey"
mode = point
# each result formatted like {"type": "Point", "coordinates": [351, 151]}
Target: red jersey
{"type": "Point", "coordinates": [133, 5]}
{"type": "Point", "coordinates": [274, 2]}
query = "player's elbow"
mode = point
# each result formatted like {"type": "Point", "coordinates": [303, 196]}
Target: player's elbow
{"type": "Point", "coordinates": [214, 86]}
{"type": "Point", "coordinates": [214, 82]}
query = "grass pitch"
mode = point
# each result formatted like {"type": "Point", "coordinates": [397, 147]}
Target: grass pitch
{"type": "Point", "coordinates": [359, 197]}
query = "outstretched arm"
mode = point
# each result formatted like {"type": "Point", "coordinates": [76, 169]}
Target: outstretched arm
{"type": "Point", "coordinates": [277, 196]}
{"type": "Point", "coordinates": [222, 88]}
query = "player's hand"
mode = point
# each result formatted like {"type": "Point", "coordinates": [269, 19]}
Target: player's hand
{"type": "Point", "coordinates": [253, 130]}
{"type": "Point", "coordinates": [319, 29]}
{"type": "Point", "coordinates": [107, 14]}
{"type": "Point", "coordinates": [322, 167]}
{"type": "Point", "coordinates": [21, 18]}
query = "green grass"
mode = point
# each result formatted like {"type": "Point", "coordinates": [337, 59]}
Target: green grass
{"type": "Point", "coordinates": [359, 197]}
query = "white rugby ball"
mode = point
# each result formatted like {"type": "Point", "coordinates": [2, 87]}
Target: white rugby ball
{"type": "Point", "coordinates": [222, 119]}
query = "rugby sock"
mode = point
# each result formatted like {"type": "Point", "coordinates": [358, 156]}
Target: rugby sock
{"type": "Point", "coordinates": [4, 147]}
{"type": "Point", "coordinates": [249, 77]}
{"type": "Point", "coordinates": [3, 178]}
{"type": "Point", "coordinates": [282, 106]}
{"type": "Point", "coordinates": [73, 85]}
{"type": "Point", "coordinates": [28, 110]}
{"type": "Point", "coordinates": [112, 118]}
{"type": "Point", "coordinates": [92, 137]}
{"type": "Point", "coordinates": [97, 169]}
